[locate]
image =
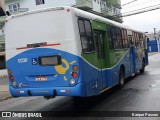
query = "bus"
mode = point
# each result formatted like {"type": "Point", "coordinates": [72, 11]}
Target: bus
{"type": "Point", "coordinates": [65, 51]}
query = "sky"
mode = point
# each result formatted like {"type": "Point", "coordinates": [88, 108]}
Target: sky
{"type": "Point", "coordinates": [144, 21]}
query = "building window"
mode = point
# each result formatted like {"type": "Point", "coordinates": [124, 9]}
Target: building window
{"type": "Point", "coordinates": [14, 7]}
{"type": "Point", "coordinates": [39, 2]}
{"type": "Point", "coordinates": [2, 62]}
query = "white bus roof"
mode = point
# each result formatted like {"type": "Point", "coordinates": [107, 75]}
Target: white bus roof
{"type": "Point", "coordinates": [79, 13]}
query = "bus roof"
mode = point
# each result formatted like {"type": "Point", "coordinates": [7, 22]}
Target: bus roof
{"type": "Point", "coordinates": [79, 13]}
{"type": "Point", "coordinates": [99, 18]}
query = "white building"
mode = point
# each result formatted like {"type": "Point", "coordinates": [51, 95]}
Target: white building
{"type": "Point", "coordinates": [107, 7]}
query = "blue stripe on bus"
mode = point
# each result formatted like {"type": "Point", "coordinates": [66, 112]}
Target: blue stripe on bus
{"type": "Point", "coordinates": [89, 81]}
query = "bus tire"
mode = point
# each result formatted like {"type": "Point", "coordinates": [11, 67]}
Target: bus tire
{"type": "Point", "coordinates": [121, 78]}
{"type": "Point", "coordinates": [143, 67]}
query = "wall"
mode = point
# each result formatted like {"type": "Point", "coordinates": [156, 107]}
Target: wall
{"type": "Point", "coordinates": [31, 4]}
{"type": "Point", "coordinates": [153, 46]}
{"type": "Point", "coordinates": [96, 6]}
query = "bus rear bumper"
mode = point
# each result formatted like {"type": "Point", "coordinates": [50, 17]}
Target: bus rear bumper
{"type": "Point", "coordinates": [78, 90]}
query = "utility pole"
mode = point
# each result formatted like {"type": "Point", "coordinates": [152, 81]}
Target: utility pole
{"type": "Point", "coordinates": [154, 33]}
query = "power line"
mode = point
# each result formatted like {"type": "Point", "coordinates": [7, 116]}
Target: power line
{"type": "Point", "coordinates": [140, 9]}
{"type": "Point", "coordinates": [140, 3]}
{"type": "Point", "coordinates": [140, 12]}
{"type": "Point", "coordinates": [129, 2]}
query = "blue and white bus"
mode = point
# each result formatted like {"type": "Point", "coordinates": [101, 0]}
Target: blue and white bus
{"type": "Point", "coordinates": [65, 51]}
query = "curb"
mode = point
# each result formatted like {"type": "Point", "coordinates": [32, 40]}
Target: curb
{"type": "Point", "coordinates": [152, 53]}
{"type": "Point", "coordinates": [4, 92]}
{"type": "Point", "coordinates": [6, 96]}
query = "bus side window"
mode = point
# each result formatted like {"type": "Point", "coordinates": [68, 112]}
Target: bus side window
{"type": "Point", "coordinates": [109, 32]}
{"type": "Point", "coordinates": [137, 39]}
{"type": "Point", "coordinates": [86, 36]}
{"type": "Point", "coordinates": [124, 38]}
{"type": "Point", "coordinates": [119, 39]}
{"type": "Point", "coordinates": [97, 45]}
{"type": "Point", "coordinates": [113, 37]}
{"type": "Point", "coordinates": [141, 40]}
{"type": "Point", "coordinates": [116, 38]}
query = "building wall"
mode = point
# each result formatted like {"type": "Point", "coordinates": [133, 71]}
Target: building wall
{"type": "Point", "coordinates": [153, 46]}
{"type": "Point", "coordinates": [97, 4]}
{"type": "Point", "coordinates": [31, 4]}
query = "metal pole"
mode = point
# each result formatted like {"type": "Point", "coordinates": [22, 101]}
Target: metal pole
{"type": "Point", "coordinates": [154, 33]}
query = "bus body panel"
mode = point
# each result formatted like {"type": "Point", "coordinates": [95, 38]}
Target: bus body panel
{"type": "Point", "coordinates": [55, 33]}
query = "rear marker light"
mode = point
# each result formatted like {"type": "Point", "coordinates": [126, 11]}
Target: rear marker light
{"type": "Point", "coordinates": [75, 67]}
{"type": "Point", "coordinates": [68, 91]}
{"type": "Point", "coordinates": [74, 74]}
{"type": "Point", "coordinates": [11, 78]}
{"type": "Point", "coordinates": [63, 91]}
{"type": "Point", "coordinates": [14, 83]}
{"type": "Point", "coordinates": [9, 72]}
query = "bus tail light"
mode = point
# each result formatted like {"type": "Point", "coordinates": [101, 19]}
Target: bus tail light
{"type": "Point", "coordinates": [72, 81]}
{"type": "Point", "coordinates": [9, 72]}
{"type": "Point", "coordinates": [11, 78]}
{"type": "Point", "coordinates": [74, 74]}
{"type": "Point", "coordinates": [75, 68]}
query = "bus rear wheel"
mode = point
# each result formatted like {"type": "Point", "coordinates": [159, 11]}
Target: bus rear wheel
{"type": "Point", "coordinates": [121, 78]}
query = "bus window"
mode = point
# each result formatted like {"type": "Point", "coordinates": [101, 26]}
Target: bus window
{"type": "Point", "coordinates": [81, 27]}
{"type": "Point", "coordinates": [97, 45]}
{"type": "Point", "coordinates": [141, 40]}
{"type": "Point", "coordinates": [86, 36]}
{"type": "Point", "coordinates": [113, 37]}
{"type": "Point", "coordinates": [101, 35]}
{"type": "Point", "coordinates": [119, 40]}
{"type": "Point", "coordinates": [109, 37]}
{"type": "Point", "coordinates": [137, 39]}
{"type": "Point", "coordinates": [124, 38]}
{"type": "Point", "coordinates": [116, 38]}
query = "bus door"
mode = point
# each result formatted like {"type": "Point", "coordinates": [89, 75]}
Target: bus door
{"type": "Point", "coordinates": [100, 51]}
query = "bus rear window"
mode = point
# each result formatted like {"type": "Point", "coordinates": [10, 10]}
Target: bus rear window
{"type": "Point", "coordinates": [50, 60]}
